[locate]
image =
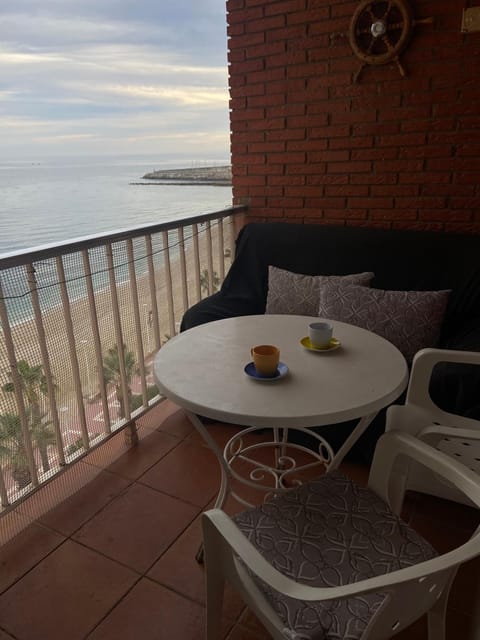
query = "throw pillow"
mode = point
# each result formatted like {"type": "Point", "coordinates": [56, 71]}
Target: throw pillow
{"type": "Point", "coordinates": [298, 294]}
{"type": "Point", "coordinates": [411, 320]}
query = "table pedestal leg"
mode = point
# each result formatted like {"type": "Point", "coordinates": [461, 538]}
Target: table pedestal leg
{"type": "Point", "coordinates": [361, 427]}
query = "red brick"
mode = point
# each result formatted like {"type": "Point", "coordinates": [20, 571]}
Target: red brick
{"type": "Point", "coordinates": [327, 179]}
{"type": "Point", "coordinates": [423, 177]}
{"type": "Point", "coordinates": [323, 202]}
{"type": "Point", "coordinates": [342, 117]}
{"type": "Point", "coordinates": [246, 40]}
{"type": "Point", "coordinates": [264, 24]}
{"type": "Point", "coordinates": [359, 142]}
{"type": "Point", "coordinates": [267, 125]}
{"type": "Point", "coordinates": [286, 180]}
{"type": "Point", "coordinates": [248, 91]}
{"type": "Point", "coordinates": [329, 156]}
{"type": "Point", "coordinates": [266, 147]}
{"type": "Point", "coordinates": [330, 132]}
{"type": "Point", "coordinates": [446, 215]}
{"type": "Point", "coordinates": [266, 101]}
{"type": "Point", "coordinates": [264, 50]}
{"type": "Point", "coordinates": [346, 214]}
{"type": "Point", "coordinates": [389, 214]}
{"type": "Point", "coordinates": [371, 203]}
{"type": "Point", "coordinates": [288, 6]}
{"type": "Point", "coordinates": [395, 190]}
{"type": "Point", "coordinates": [306, 145]}
{"type": "Point", "coordinates": [247, 114]}
{"type": "Point", "coordinates": [346, 190]}
{"type": "Point", "coordinates": [350, 167]}
{"type": "Point", "coordinates": [465, 203]}
{"type": "Point", "coordinates": [374, 154]}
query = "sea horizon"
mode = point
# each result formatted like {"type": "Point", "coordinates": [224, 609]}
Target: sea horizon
{"type": "Point", "coordinates": [55, 199]}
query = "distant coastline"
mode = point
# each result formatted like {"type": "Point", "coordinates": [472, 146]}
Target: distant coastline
{"type": "Point", "coordinates": [220, 176]}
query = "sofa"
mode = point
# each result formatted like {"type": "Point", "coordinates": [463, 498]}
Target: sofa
{"type": "Point", "coordinates": [401, 261]}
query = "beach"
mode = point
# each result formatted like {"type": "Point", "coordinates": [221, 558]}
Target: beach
{"type": "Point", "coordinates": [62, 352]}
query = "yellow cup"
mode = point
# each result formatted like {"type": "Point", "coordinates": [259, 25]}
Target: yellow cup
{"type": "Point", "coordinates": [265, 358]}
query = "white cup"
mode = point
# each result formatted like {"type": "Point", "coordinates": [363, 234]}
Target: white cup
{"type": "Point", "coordinates": [320, 333]}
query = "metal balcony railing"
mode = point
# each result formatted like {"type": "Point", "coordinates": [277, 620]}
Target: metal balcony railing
{"type": "Point", "coordinates": [80, 324]}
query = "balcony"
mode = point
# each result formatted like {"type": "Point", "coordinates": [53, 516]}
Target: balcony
{"type": "Point", "coordinates": [102, 543]}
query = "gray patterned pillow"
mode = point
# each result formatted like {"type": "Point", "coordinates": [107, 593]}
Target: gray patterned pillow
{"type": "Point", "coordinates": [411, 320]}
{"type": "Point", "coordinates": [298, 294]}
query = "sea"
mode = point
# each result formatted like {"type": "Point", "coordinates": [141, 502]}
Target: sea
{"type": "Point", "coordinates": [49, 200]}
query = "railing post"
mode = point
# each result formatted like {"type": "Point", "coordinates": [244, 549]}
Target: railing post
{"type": "Point", "coordinates": [89, 292]}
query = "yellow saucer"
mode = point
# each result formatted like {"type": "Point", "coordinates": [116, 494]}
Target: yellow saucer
{"type": "Point", "coordinates": [332, 345]}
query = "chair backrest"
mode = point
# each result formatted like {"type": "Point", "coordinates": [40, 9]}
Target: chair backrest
{"type": "Point", "coordinates": [457, 436]}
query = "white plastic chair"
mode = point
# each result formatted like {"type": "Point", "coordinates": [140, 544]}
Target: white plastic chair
{"type": "Point", "coordinates": [371, 603]}
{"type": "Point", "coordinates": [455, 435]}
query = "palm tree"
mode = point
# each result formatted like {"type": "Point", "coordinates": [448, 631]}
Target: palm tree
{"type": "Point", "coordinates": [111, 373]}
{"type": "Point", "coordinates": [204, 281]}
{"type": "Point", "coordinates": [13, 449]}
{"type": "Point", "coordinates": [12, 445]}
{"type": "Point", "coordinates": [33, 386]}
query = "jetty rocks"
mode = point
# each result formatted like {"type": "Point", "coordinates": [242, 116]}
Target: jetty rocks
{"type": "Point", "coordinates": [221, 175]}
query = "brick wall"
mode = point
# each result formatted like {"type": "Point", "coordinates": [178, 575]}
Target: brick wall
{"type": "Point", "coordinates": [309, 144]}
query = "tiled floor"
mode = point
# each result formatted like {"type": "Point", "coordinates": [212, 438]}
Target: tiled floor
{"type": "Point", "coordinates": [116, 560]}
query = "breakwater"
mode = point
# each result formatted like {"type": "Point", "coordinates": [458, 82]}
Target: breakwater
{"type": "Point", "coordinates": [221, 175]}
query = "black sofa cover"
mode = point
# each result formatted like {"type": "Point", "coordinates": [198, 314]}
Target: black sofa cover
{"type": "Point", "coordinates": [401, 260]}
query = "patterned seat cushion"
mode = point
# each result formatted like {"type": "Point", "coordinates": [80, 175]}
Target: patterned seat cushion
{"type": "Point", "coordinates": [328, 533]}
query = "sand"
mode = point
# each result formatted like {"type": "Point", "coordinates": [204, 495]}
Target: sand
{"type": "Point", "coordinates": [26, 341]}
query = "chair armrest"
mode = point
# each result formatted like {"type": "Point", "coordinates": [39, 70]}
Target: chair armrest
{"type": "Point", "coordinates": [223, 540]}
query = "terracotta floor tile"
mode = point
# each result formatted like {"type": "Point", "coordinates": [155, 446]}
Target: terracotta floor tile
{"type": "Point", "coordinates": [176, 423]}
{"type": "Point", "coordinates": [24, 551]}
{"type": "Point", "coordinates": [56, 491]}
{"type": "Point", "coordinates": [250, 621]}
{"type": "Point", "coordinates": [189, 472]}
{"type": "Point", "coordinates": [72, 513]}
{"type": "Point", "coordinates": [179, 570]}
{"type": "Point", "coordinates": [154, 418]}
{"type": "Point", "coordinates": [220, 431]}
{"type": "Point", "coordinates": [243, 633]}
{"type": "Point", "coordinates": [151, 612]}
{"type": "Point", "coordinates": [114, 448]}
{"type": "Point", "coordinates": [11, 524]}
{"type": "Point", "coordinates": [137, 526]}
{"type": "Point", "coordinates": [64, 596]}
{"type": "Point", "coordinates": [137, 459]}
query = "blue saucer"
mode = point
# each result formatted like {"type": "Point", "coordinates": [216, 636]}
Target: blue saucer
{"type": "Point", "coordinates": [251, 372]}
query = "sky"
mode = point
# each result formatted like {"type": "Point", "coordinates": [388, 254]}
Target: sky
{"type": "Point", "coordinates": [113, 77]}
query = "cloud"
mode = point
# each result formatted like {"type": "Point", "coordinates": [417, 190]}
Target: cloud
{"type": "Point", "coordinates": [109, 75]}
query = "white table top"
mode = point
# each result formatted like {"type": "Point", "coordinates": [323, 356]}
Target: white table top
{"type": "Point", "coordinates": [202, 370]}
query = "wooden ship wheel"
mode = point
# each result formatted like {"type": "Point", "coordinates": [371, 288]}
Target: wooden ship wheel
{"type": "Point", "coordinates": [380, 30]}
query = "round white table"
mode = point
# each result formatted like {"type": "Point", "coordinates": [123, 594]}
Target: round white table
{"type": "Point", "coordinates": [202, 370]}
